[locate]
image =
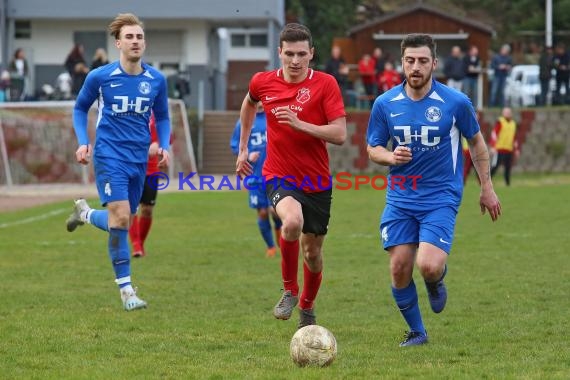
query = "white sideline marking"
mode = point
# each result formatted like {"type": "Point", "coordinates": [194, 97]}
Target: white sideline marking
{"type": "Point", "coordinates": [33, 218]}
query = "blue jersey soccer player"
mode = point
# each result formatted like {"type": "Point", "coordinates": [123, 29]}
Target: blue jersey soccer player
{"type": "Point", "coordinates": [256, 185]}
{"type": "Point", "coordinates": [424, 120]}
{"type": "Point", "coordinates": [127, 91]}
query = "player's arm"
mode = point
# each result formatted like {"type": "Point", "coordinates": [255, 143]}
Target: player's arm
{"type": "Point", "coordinates": [247, 117]}
{"type": "Point", "coordinates": [87, 95]}
{"type": "Point", "coordinates": [162, 119]}
{"type": "Point", "coordinates": [377, 137]}
{"type": "Point", "coordinates": [234, 141]}
{"type": "Point", "coordinates": [334, 132]}
{"type": "Point", "coordinates": [380, 155]}
{"type": "Point", "coordinates": [488, 200]}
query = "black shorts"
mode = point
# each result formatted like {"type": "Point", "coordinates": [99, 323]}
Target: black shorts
{"type": "Point", "coordinates": [316, 206]}
{"type": "Point", "coordinates": [149, 193]}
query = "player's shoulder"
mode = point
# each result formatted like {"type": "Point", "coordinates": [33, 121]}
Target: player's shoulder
{"type": "Point", "coordinates": [107, 70]}
{"type": "Point", "coordinates": [450, 95]}
{"type": "Point", "coordinates": [264, 75]}
{"type": "Point", "coordinates": [152, 71]}
{"type": "Point", "coordinates": [394, 94]}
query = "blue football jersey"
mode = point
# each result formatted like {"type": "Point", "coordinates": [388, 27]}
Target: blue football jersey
{"type": "Point", "coordinates": [125, 103]}
{"type": "Point", "coordinates": [257, 142]}
{"type": "Point", "coordinates": [432, 127]}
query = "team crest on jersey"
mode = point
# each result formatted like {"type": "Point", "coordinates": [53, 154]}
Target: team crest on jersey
{"type": "Point", "coordinates": [433, 114]}
{"type": "Point", "coordinates": [144, 88]}
{"type": "Point", "coordinates": [303, 95]}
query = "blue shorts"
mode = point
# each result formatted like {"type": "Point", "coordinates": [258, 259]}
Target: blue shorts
{"type": "Point", "coordinates": [257, 195]}
{"type": "Point", "coordinates": [119, 181]}
{"type": "Point", "coordinates": [401, 226]}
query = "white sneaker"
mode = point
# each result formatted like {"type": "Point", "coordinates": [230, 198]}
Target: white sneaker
{"type": "Point", "coordinates": [131, 301]}
{"type": "Point", "coordinates": [79, 206]}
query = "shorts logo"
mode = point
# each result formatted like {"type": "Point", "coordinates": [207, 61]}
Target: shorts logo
{"type": "Point", "coordinates": [275, 198]}
{"type": "Point", "coordinates": [433, 114]}
{"type": "Point", "coordinates": [385, 233]}
{"type": "Point", "coordinates": [108, 189]}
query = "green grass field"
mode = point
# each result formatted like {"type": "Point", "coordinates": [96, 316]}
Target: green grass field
{"type": "Point", "coordinates": [211, 291]}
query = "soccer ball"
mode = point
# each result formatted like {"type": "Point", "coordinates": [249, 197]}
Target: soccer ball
{"type": "Point", "coordinates": [313, 345]}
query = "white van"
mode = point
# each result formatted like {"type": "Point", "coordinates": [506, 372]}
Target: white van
{"type": "Point", "coordinates": [523, 86]}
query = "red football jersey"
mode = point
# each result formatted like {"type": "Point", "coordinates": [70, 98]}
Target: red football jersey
{"type": "Point", "coordinates": [291, 153]}
{"type": "Point", "coordinates": [152, 166]}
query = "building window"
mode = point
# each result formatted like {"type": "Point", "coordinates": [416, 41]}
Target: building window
{"type": "Point", "coordinates": [238, 40]}
{"type": "Point", "coordinates": [246, 40]}
{"type": "Point", "coordinates": [258, 40]}
{"type": "Point", "coordinates": [23, 29]}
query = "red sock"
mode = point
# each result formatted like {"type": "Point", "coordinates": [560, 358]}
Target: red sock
{"type": "Point", "coordinates": [134, 234]}
{"type": "Point", "coordinates": [144, 227]}
{"type": "Point", "coordinates": [311, 285]}
{"type": "Point", "coordinates": [289, 264]}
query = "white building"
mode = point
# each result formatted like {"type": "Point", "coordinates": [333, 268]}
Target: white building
{"type": "Point", "coordinates": [217, 43]}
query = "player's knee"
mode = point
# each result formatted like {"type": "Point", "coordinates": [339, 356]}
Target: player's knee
{"type": "Point", "coordinates": [262, 213]}
{"type": "Point", "coordinates": [291, 228]}
{"type": "Point", "coordinates": [430, 271]}
{"type": "Point", "coordinates": [120, 221]}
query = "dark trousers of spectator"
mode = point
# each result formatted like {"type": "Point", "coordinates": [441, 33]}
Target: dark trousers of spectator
{"type": "Point", "coordinates": [544, 89]}
{"type": "Point", "coordinates": [558, 98]}
{"type": "Point", "coordinates": [470, 89]}
{"type": "Point", "coordinates": [497, 91]}
{"type": "Point", "coordinates": [506, 160]}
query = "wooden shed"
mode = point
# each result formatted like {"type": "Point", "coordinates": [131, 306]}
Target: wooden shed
{"type": "Point", "coordinates": [388, 31]}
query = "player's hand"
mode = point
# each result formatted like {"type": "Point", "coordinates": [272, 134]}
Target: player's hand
{"type": "Point", "coordinates": [285, 115]}
{"type": "Point", "coordinates": [164, 158]}
{"type": "Point", "coordinates": [243, 167]}
{"type": "Point", "coordinates": [153, 149]}
{"type": "Point", "coordinates": [402, 155]}
{"type": "Point", "coordinates": [488, 201]}
{"type": "Point", "coordinates": [83, 154]}
{"type": "Point", "coordinates": [253, 157]}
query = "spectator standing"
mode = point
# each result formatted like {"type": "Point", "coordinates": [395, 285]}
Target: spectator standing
{"type": "Point", "coordinates": [389, 78]}
{"type": "Point", "coordinates": [99, 58]}
{"type": "Point", "coordinates": [379, 63]}
{"type": "Point", "coordinates": [76, 66]}
{"type": "Point", "coordinates": [366, 69]}
{"type": "Point", "coordinates": [472, 67]}
{"type": "Point", "coordinates": [336, 66]}
{"type": "Point", "coordinates": [501, 65]}
{"type": "Point", "coordinates": [561, 63]}
{"type": "Point", "coordinates": [19, 72]}
{"type": "Point", "coordinates": [545, 64]}
{"type": "Point", "coordinates": [454, 69]}
{"type": "Point", "coordinates": [504, 145]}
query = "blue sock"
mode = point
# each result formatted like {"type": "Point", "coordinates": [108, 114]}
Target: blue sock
{"type": "Point", "coordinates": [120, 255]}
{"type": "Point", "coordinates": [265, 229]}
{"type": "Point", "coordinates": [407, 301]}
{"type": "Point", "coordinates": [277, 223]}
{"type": "Point", "coordinates": [100, 219]}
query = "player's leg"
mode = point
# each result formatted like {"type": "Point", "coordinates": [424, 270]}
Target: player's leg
{"type": "Point", "coordinates": [82, 214]}
{"type": "Point", "coordinates": [147, 204]}
{"type": "Point", "coordinates": [508, 160]}
{"type": "Point", "coordinates": [290, 212]}
{"type": "Point", "coordinates": [405, 293]}
{"type": "Point", "coordinates": [120, 187]}
{"type": "Point", "coordinates": [134, 235]}
{"type": "Point", "coordinates": [316, 215]}
{"type": "Point", "coordinates": [399, 232]}
{"type": "Point", "coordinates": [436, 239]}
{"type": "Point", "coordinates": [276, 224]}
{"type": "Point", "coordinates": [258, 201]}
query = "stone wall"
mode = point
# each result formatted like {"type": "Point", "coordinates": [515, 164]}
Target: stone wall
{"type": "Point", "coordinates": [544, 135]}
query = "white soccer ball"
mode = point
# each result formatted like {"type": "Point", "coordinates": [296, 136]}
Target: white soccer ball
{"type": "Point", "coordinates": [313, 345]}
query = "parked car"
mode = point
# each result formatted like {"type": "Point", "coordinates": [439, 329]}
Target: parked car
{"type": "Point", "coordinates": [523, 86]}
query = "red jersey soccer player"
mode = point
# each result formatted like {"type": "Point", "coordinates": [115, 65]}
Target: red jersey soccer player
{"type": "Point", "coordinates": [304, 111]}
{"type": "Point", "coordinates": [142, 221]}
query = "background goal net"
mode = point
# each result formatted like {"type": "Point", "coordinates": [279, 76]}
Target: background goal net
{"type": "Point", "coordinates": [38, 143]}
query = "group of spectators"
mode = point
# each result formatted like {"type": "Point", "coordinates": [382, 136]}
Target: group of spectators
{"type": "Point", "coordinates": [15, 78]}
